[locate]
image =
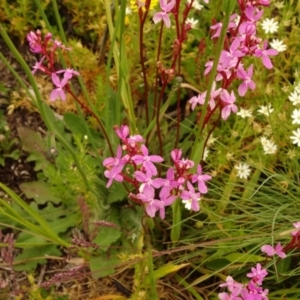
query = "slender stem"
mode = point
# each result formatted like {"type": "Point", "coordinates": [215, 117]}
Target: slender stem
{"type": "Point", "coordinates": [197, 150]}
{"type": "Point", "coordinates": [143, 18]}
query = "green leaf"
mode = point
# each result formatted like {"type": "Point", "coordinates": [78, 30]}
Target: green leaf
{"type": "Point", "coordinates": [106, 237]}
{"type": "Point", "coordinates": [40, 191]}
{"type": "Point", "coordinates": [31, 257]}
{"type": "Point", "coordinates": [74, 123]}
{"type": "Point", "coordinates": [244, 257]}
{"type": "Point", "coordinates": [117, 192]}
{"type": "Point", "coordinates": [217, 264]}
{"type": "Point", "coordinates": [104, 265]}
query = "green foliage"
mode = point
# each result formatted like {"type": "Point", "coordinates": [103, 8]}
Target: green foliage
{"type": "Point", "coordinates": [7, 144]}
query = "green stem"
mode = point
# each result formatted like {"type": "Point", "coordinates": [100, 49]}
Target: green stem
{"type": "Point", "coordinates": [197, 149]}
{"type": "Point", "coordinates": [176, 225]}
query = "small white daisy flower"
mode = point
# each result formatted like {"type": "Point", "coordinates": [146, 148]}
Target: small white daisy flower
{"type": "Point", "coordinates": [296, 116]}
{"type": "Point", "coordinates": [278, 45]}
{"type": "Point", "coordinates": [196, 4]}
{"type": "Point", "coordinates": [244, 113]}
{"type": "Point", "coordinates": [265, 109]}
{"type": "Point", "coordinates": [294, 97]}
{"type": "Point", "coordinates": [268, 146]}
{"type": "Point", "coordinates": [296, 137]}
{"type": "Point", "coordinates": [269, 25]}
{"type": "Point", "coordinates": [243, 170]}
{"type": "Point", "coordinates": [192, 21]}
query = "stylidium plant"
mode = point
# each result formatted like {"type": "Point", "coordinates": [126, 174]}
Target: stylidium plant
{"type": "Point", "coordinates": [136, 167]}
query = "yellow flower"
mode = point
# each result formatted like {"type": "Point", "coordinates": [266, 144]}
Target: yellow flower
{"type": "Point", "coordinates": [135, 4]}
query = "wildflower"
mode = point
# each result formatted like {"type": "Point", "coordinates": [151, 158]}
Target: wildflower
{"type": "Point", "coordinates": [269, 26]}
{"type": "Point", "coordinates": [190, 198]}
{"type": "Point", "coordinates": [200, 99]}
{"type": "Point", "coordinates": [147, 182]}
{"type": "Point", "coordinates": [205, 154]}
{"type": "Point", "coordinates": [247, 77]}
{"type": "Point", "coordinates": [297, 226]}
{"type": "Point", "coordinates": [147, 160]}
{"type": "Point", "coordinates": [269, 146]}
{"type": "Point", "coordinates": [201, 178]}
{"type": "Point", "coordinates": [294, 97]}
{"type": "Point", "coordinates": [166, 7]}
{"type": "Point", "coordinates": [244, 113]}
{"type": "Point", "coordinates": [243, 170]}
{"type": "Point", "coordinates": [270, 251]}
{"type": "Point", "coordinates": [231, 284]}
{"type": "Point", "coordinates": [296, 137]}
{"type": "Point", "coordinates": [296, 116]}
{"type": "Point", "coordinates": [229, 103]}
{"type": "Point", "coordinates": [265, 109]}
{"type": "Point", "coordinates": [114, 174]}
{"type": "Point", "coordinates": [153, 205]}
{"type": "Point", "coordinates": [258, 274]}
{"type": "Point", "coordinates": [264, 53]}
{"type": "Point", "coordinates": [231, 54]}
{"type": "Point", "coordinates": [192, 21]}
{"type": "Point", "coordinates": [196, 4]}
{"type": "Point", "coordinates": [58, 92]}
{"type": "Point", "coordinates": [278, 45]}
{"type": "Point", "coordinates": [38, 66]}
{"type": "Point", "coordinates": [218, 26]}
{"type": "Point", "coordinates": [68, 73]}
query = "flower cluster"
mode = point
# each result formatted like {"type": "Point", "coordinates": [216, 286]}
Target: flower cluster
{"type": "Point", "coordinates": [134, 165]}
{"type": "Point", "coordinates": [294, 97]}
{"type": "Point", "coordinates": [240, 43]}
{"type": "Point", "coordinates": [46, 47]}
{"type": "Point", "coordinates": [251, 291]}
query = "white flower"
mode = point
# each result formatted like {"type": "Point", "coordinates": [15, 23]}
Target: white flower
{"type": "Point", "coordinates": [244, 113]}
{"type": "Point", "coordinates": [294, 97]}
{"type": "Point", "coordinates": [278, 45]}
{"type": "Point", "coordinates": [296, 116]}
{"type": "Point", "coordinates": [205, 154]}
{"type": "Point", "coordinates": [192, 21]}
{"type": "Point", "coordinates": [296, 137]}
{"type": "Point", "coordinates": [243, 170]}
{"type": "Point", "coordinates": [269, 146]}
{"type": "Point", "coordinates": [265, 109]}
{"type": "Point", "coordinates": [269, 26]}
{"type": "Point", "coordinates": [196, 4]}
{"type": "Point", "coordinates": [229, 156]}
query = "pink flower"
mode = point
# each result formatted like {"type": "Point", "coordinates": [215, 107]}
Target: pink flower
{"type": "Point", "coordinates": [38, 66]}
{"type": "Point", "coordinates": [58, 92]}
{"type": "Point", "coordinates": [269, 250]}
{"type": "Point", "coordinates": [147, 160]}
{"type": "Point", "coordinates": [258, 274]}
{"type": "Point", "coordinates": [249, 26]}
{"type": "Point", "coordinates": [218, 26]}
{"type": "Point", "coordinates": [232, 54]}
{"type": "Point", "coordinates": [264, 54]}
{"type": "Point", "coordinates": [122, 132]}
{"type": "Point", "coordinates": [229, 104]}
{"type": "Point", "coordinates": [114, 174]}
{"type": "Point", "coordinates": [248, 82]}
{"type": "Point", "coordinates": [191, 196]}
{"type": "Point", "coordinates": [197, 100]}
{"type": "Point", "coordinates": [147, 182]}
{"type": "Point", "coordinates": [297, 226]}
{"type": "Point", "coordinates": [201, 178]}
{"type": "Point", "coordinates": [166, 7]}
{"type": "Point", "coordinates": [153, 205]}
{"type": "Point", "coordinates": [231, 284]}
{"type": "Point", "coordinates": [68, 73]}
{"type": "Point", "coordinates": [35, 42]}
{"type": "Point", "coordinates": [176, 155]}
